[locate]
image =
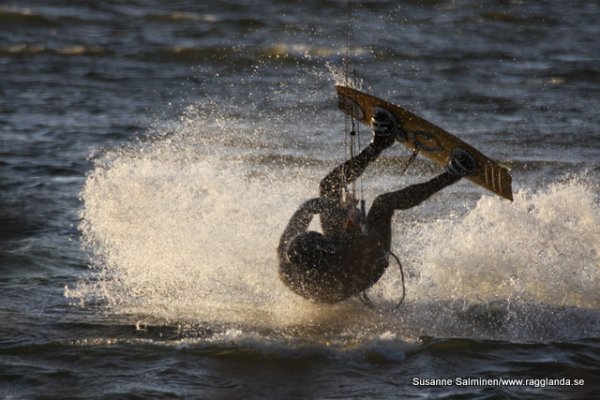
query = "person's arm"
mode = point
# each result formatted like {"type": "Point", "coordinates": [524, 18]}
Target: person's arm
{"type": "Point", "coordinates": [331, 185]}
{"type": "Point", "coordinates": [385, 131]}
{"type": "Point", "coordinates": [301, 219]}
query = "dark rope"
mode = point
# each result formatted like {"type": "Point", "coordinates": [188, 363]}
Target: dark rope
{"type": "Point", "coordinates": [403, 284]}
{"type": "Point", "coordinates": [366, 300]}
{"type": "Point", "coordinates": [353, 133]}
{"type": "Point", "coordinates": [410, 160]}
{"type": "Point", "coordinates": [363, 297]}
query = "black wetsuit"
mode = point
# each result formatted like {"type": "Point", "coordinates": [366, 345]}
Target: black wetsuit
{"type": "Point", "coordinates": [339, 263]}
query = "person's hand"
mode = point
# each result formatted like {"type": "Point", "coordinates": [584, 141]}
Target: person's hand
{"type": "Point", "coordinates": [460, 163]}
{"type": "Point", "coordinates": [385, 128]}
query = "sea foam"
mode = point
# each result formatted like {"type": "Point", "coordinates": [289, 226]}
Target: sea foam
{"type": "Point", "coordinates": [182, 227]}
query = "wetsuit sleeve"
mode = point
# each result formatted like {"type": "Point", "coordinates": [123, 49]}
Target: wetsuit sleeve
{"type": "Point", "coordinates": [331, 185]}
{"type": "Point", "coordinates": [411, 196]}
{"type": "Point", "coordinates": [301, 219]}
{"type": "Point", "coordinates": [379, 219]}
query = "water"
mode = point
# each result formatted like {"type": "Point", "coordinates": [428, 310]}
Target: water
{"type": "Point", "coordinates": [152, 152]}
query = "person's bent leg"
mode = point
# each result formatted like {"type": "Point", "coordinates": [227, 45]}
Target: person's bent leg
{"type": "Point", "coordinates": [383, 207]}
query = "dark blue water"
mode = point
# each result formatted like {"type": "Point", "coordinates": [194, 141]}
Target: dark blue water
{"type": "Point", "coordinates": [151, 153]}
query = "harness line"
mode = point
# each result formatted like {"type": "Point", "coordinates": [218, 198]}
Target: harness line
{"type": "Point", "coordinates": [351, 141]}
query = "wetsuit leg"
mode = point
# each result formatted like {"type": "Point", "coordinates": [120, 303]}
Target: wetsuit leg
{"type": "Point", "coordinates": [379, 219]}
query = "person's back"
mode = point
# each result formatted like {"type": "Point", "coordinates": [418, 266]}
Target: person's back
{"type": "Point", "coordinates": [331, 269]}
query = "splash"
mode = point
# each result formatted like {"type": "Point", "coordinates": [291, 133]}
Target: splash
{"type": "Point", "coordinates": [342, 76]}
{"type": "Point", "coordinates": [183, 225]}
{"type": "Point", "coordinates": [544, 248]}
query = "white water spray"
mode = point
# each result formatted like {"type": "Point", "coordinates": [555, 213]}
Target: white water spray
{"type": "Point", "coordinates": [543, 248]}
{"type": "Point", "coordinates": [184, 228]}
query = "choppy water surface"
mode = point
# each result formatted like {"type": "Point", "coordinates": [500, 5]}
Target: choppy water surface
{"type": "Point", "coordinates": [152, 152]}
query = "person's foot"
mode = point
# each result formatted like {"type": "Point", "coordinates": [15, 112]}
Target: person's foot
{"type": "Point", "coordinates": [461, 163]}
{"type": "Point", "coordinates": [385, 128]}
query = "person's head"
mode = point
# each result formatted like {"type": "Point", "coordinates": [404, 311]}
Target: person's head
{"type": "Point", "coordinates": [311, 249]}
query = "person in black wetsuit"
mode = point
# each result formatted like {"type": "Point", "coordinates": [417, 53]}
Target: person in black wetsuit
{"type": "Point", "coordinates": [352, 253]}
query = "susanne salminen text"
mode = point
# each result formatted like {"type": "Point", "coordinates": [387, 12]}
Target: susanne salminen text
{"type": "Point", "coordinates": [542, 382]}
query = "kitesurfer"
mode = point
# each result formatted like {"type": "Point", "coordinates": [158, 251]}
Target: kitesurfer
{"type": "Point", "coordinates": [352, 252]}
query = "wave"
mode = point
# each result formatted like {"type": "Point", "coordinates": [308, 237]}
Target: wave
{"type": "Point", "coordinates": [306, 51]}
{"type": "Point", "coordinates": [32, 49]}
{"type": "Point", "coordinates": [183, 228]}
{"type": "Point", "coordinates": [574, 75]}
{"type": "Point", "coordinates": [17, 16]}
{"type": "Point", "coordinates": [520, 19]}
{"type": "Point", "coordinates": [182, 16]}
{"type": "Point", "coordinates": [247, 55]}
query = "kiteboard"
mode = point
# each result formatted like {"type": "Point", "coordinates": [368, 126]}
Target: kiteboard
{"type": "Point", "coordinates": [429, 139]}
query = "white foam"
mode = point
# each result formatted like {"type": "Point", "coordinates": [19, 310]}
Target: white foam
{"type": "Point", "coordinates": [183, 228]}
{"type": "Point", "coordinates": [180, 228]}
{"type": "Point", "coordinates": [544, 248]}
